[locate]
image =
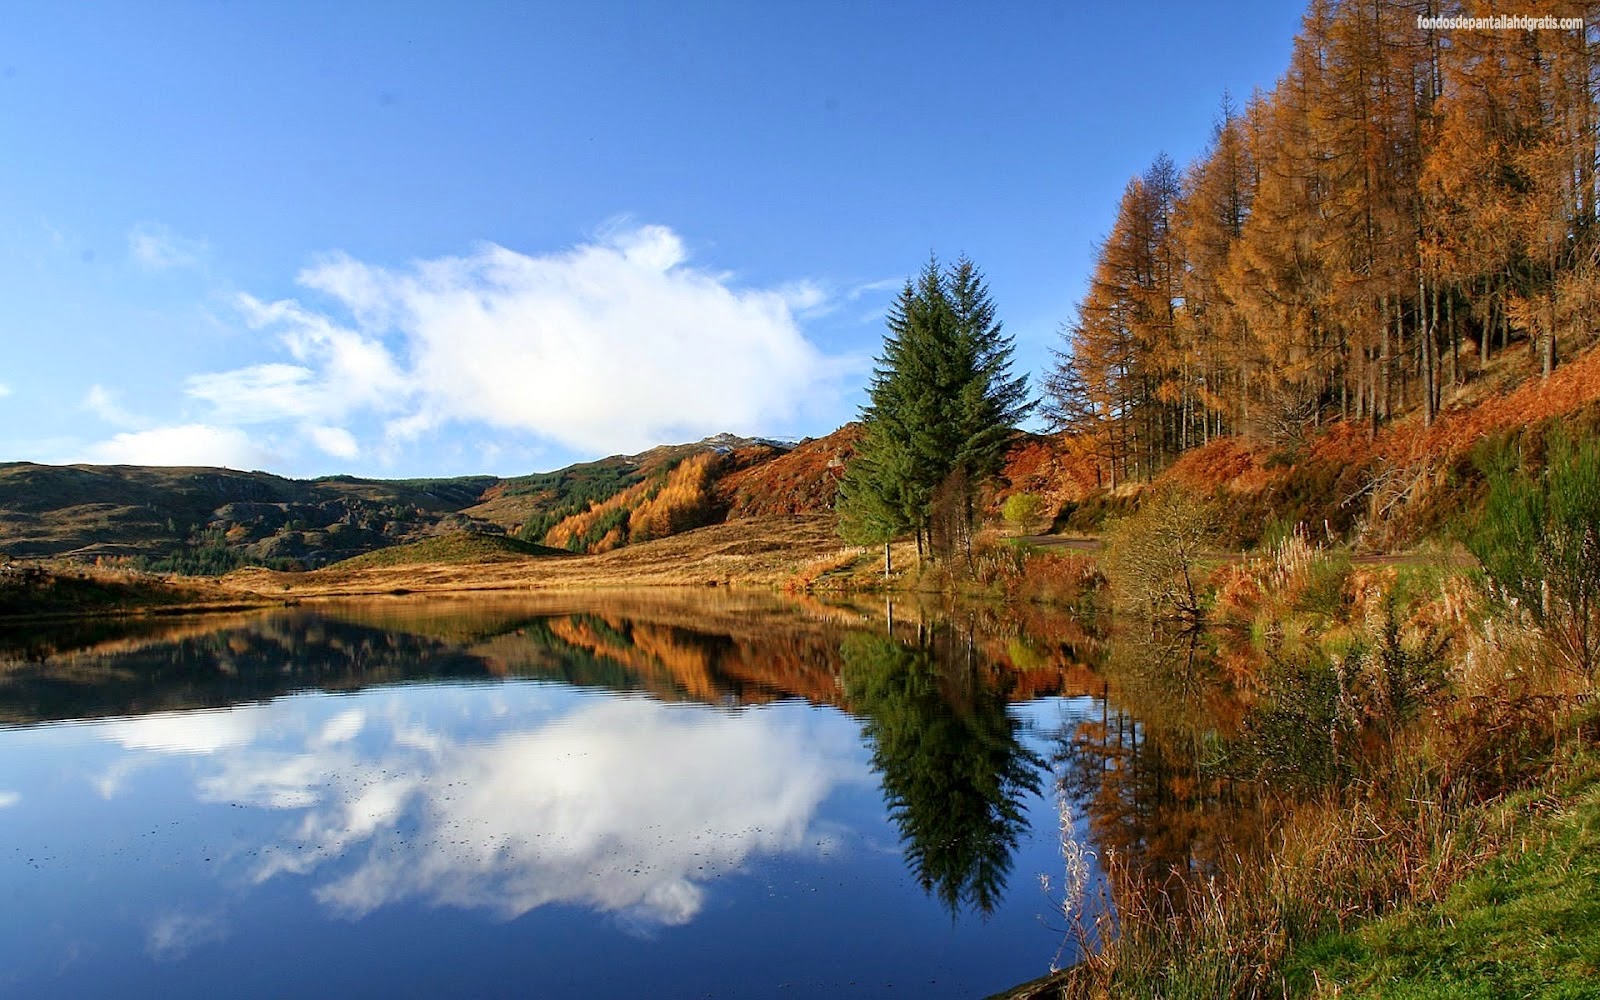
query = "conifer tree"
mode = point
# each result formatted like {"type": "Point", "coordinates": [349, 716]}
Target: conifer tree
{"type": "Point", "coordinates": [942, 401]}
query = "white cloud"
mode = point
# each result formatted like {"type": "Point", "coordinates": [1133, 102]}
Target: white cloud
{"type": "Point", "coordinates": [103, 403]}
{"type": "Point", "coordinates": [157, 248]}
{"type": "Point", "coordinates": [186, 444]}
{"type": "Point", "coordinates": [617, 344]}
{"type": "Point", "coordinates": [5, 390]}
{"type": "Point", "coordinates": [260, 393]}
{"type": "Point", "coordinates": [335, 441]}
{"type": "Point", "coordinates": [9, 799]}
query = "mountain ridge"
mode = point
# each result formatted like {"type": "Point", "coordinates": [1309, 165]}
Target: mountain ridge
{"type": "Point", "coordinates": [209, 520]}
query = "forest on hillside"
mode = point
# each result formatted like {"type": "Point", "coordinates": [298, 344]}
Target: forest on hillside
{"type": "Point", "coordinates": [1407, 204]}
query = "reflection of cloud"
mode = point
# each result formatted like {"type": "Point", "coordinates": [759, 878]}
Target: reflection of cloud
{"type": "Point", "coordinates": [172, 936]}
{"type": "Point", "coordinates": [109, 784]}
{"type": "Point", "coordinates": [342, 727]}
{"type": "Point", "coordinates": [8, 799]}
{"type": "Point", "coordinates": [625, 806]}
{"type": "Point", "coordinates": [189, 732]}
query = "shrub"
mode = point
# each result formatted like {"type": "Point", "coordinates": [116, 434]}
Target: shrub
{"type": "Point", "coordinates": [1022, 511]}
{"type": "Point", "coordinates": [1153, 554]}
{"type": "Point", "coordinates": [1538, 541]}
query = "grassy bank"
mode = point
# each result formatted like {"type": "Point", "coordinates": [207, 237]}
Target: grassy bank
{"type": "Point", "coordinates": [50, 590]}
{"type": "Point", "coordinates": [1424, 750]}
{"type": "Point", "coordinates": [1527, 924]}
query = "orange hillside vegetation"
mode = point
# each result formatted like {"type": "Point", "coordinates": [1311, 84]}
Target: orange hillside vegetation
{"type": "Point", "coordinates": [803, 481]}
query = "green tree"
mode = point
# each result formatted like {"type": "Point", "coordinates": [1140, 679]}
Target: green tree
{"type": "Point", "coordinates": [1022, 510]}
{"type": "Point", "coordinates": [942, 407]}
{"type": "Point", "coordinates": [1152, 555]}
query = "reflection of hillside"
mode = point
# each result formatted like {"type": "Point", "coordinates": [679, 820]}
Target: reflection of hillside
{"type": "Point", "coordinates": [658, 654]}
{"type": "Point", "coordinates": [259, 658]}
{"type": "Point", "coordinates": [717, 647]}
{"type": "Point", "coordinates": [673, 662]}
{"type": "Point", "coordinates": [90, 637]}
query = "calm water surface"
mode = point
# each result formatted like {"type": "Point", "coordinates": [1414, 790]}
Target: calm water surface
{"type": "Point", "coordinates": [634, 796]}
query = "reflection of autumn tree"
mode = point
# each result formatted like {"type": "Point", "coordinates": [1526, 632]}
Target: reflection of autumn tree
{"type": "Point", "coordinates": [1146, 785]}
{"type": "Point", "coordinates": [954, 773]}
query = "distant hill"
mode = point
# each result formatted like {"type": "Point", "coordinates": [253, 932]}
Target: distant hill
{"type": "Point", "coordinates": [457, 548]}
{"type": "Point", "coordinates": [209, 521]}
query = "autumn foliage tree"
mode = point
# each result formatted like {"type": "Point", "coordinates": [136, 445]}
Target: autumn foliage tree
{"type": "Point", "coordinates": [1404, 206]}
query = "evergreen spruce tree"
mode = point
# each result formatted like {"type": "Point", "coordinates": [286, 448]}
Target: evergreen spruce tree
{"type": "Point", "coordinates": [942, 407]}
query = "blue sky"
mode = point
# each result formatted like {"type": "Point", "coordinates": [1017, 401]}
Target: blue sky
{"type": "Point", "coordinates": [397, 239]}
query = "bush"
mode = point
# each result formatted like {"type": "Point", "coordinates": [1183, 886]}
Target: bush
{"type": "Point", "coordinates": [1153, 554]}
{"type": "Point", "coordinates": [1538, 541]}
{"type": "Point", "coordinates": [1022, 511]}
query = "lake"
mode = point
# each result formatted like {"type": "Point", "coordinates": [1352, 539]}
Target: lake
{"type": "Point", "coordinates": [574, 796]}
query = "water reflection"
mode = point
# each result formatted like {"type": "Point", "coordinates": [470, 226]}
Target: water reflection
{"type": "Point", "coordinates": [1145, 773]}
{"type": "Point", "coordinates": [699, 776]}
{"type": "Point", "coordinates": [955, 775]}
{"type": "Point", "coordinates": [508, 804]}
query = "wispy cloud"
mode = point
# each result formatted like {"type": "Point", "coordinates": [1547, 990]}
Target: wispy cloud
{"type": "Point", "coordinates": [873, 287]}
{"type": "Point", "coordinates": [103, 403]}
{"type": "Point", "coordinates": [53, 235]}
{"type": "Point", "coordinates": [615, 344]}
{"type": "Point", "coordinates": [5, 390]}
{"type": "Point", "coordinates": [157, 248]}
{"type": "Point", "coordinates": [186, 445]}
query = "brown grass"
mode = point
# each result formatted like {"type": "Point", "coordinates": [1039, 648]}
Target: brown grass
{"type": "Point", "coordinates": [756, 552]}
{"type": "Point", "coordinates": [63, 589]}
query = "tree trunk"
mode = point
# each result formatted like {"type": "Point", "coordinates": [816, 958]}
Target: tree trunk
{"type": "Point", "coordinates": [1455, 339]}
{"type": "Point", "coordinates": [1549, 352]}
{"type": "Point", "coordinates": [1430, 399]}
{"type": "Point", "coordinates": [1381, 410]}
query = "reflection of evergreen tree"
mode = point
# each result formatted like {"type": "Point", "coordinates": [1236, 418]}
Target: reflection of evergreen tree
{"type": "Point", "coordinates": [954, 772]}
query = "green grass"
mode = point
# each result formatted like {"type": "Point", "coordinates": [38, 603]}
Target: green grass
{"type": "Point", "coordinates": [461, 547]}
{"type": "Point", "coordinates": [1528, 925]}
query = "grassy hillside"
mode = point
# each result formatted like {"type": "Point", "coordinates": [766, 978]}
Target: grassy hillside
{"type": "Point", "coordinates": [1528, 925]}
{"type": "Point", "coordinates": [52, 590]}
{"type": "Point", "coordinates": [453, 549]}
{"type": "Point", "coordinates": [801, 481]}
{"type": "Point", "coordinates": [1378, 488]}
{"type": "Point", "coordinates": [198, 519]}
